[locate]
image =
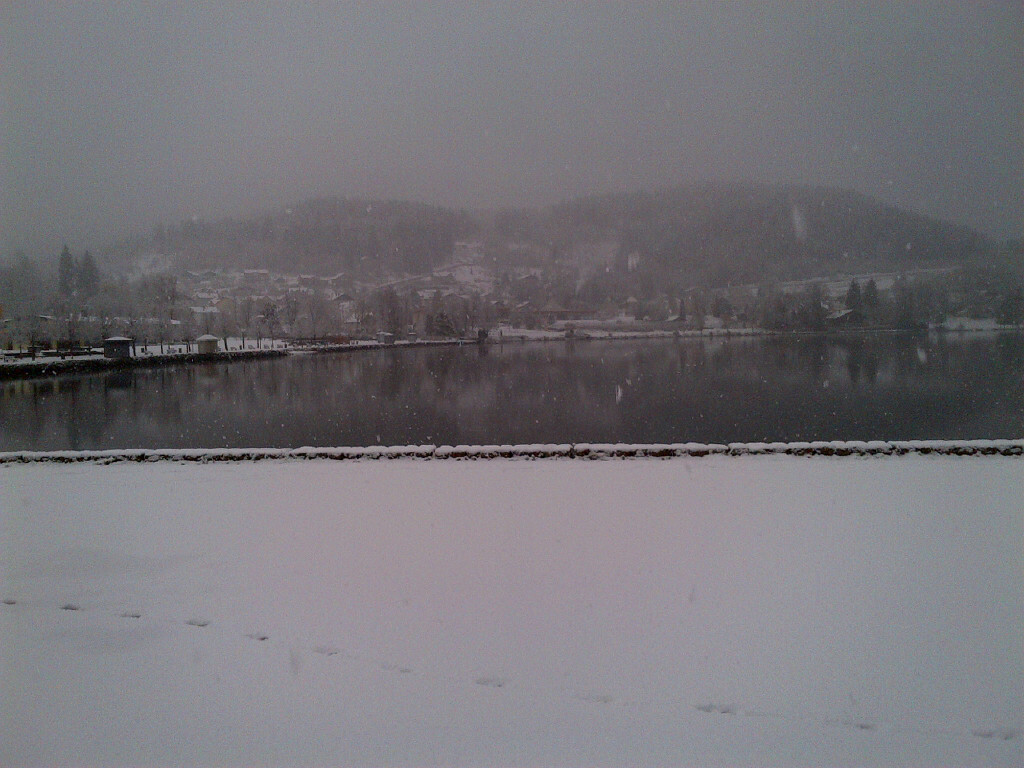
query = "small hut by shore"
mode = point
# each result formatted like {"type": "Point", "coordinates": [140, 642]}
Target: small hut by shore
{"type": "Point", "coordinates": [117, 347]}
{"type": "Point", "coordinates": [207, 344]}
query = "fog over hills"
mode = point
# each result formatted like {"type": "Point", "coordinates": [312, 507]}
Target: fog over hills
{"type": "Point", "coordinates": [706, 234]}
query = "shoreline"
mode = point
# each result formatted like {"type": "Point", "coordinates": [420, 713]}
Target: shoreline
{"type": "Point", "coordinates": [91, 363]}
{"type": "Point", "coordinates": [55, 366]}
{"type": "Point", "coordinates": [44, 367]}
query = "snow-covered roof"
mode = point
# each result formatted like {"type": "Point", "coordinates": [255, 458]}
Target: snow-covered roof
{"type": "Point", "coordinates": [208, 337]}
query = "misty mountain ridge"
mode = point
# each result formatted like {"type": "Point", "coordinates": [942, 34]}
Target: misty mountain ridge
{"type": "Point", "coordinates": [710, 234]}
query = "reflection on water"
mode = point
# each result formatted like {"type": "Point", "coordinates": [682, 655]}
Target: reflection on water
{"type": "Point", "coordinates": [706, 390]}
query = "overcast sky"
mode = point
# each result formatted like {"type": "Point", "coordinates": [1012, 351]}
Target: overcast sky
{"type": "Point", "coordinates": [114, 116]}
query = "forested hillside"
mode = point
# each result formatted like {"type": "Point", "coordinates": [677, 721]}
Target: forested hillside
{"type": "Point", "coordinates": [720, 234]}
{"type": "Point", "coordinates": [324, 236]}
{"type": "Point", "coordinates": [709, 234]}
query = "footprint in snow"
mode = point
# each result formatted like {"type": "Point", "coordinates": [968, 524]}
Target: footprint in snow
{"type": "Point", "coordinates": [860, 725]}
{"type": "Point", "coordinates": [491, 682]}
{"type": "Point", "coordinates": [326, 650]}
{"type": "Point", "coordinates": [994, 733]}
{"type": "Point", "coordinates": [594, 698]}
{"type": "Point", "coordinates": [9, 601]}
{"type": "Point", "coordinates": [717, 709]}
{"type": "Point", "coordinates": [258, 636]}
{"type": "Point", "coordinates": [197, 622]}
{"type": "Point", "coordinates": [70, 607]}
{"type": "Point", "coordinates": [130, 615]}
{"type": "Point", "coordinates": [396, 668]}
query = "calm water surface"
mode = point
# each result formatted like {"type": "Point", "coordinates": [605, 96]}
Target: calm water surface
{"type": "Point", "coordinates": [706, 390]}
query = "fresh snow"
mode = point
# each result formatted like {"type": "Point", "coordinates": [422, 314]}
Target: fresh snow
{"type": "Point", "coordinates": [739, 608]}
{"type": "Point", "coordinates": [533, 451]}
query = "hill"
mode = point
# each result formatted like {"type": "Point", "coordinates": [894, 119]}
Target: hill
{"type": "Point", "coordinates": [324, 236]}
{"type": "Point", "coordinates": [716, 234]}
{"type": "Point", "coordinates": [707, 234]}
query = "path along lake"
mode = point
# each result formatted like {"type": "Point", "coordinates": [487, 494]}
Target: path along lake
{"type": "Point", "coordinates": [856, 387]}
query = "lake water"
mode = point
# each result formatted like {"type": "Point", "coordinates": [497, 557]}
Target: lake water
{"type": "Point", "coordinates": [670, 390]}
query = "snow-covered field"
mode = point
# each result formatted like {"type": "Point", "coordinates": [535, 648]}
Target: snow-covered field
{"type": "Point", "coordinates": [717, 610]}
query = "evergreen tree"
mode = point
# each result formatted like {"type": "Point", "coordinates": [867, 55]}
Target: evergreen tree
{"type": "Point", "coordinates": [906, 316]}
{"type": "Point", "coordinates": [88, 276]}
{"type": "Point", "coordinates": [1011, 309]}
{"type": "Point", "coordinates": [65, 273]}
{"type": "Point", "coordinates": [811, 312]}
{"type": "Point", "coordinates": [443, 326]}
{"type": "Point", "coordinates": [721, 307]}
{"type": "Point", "coordinates": [870, 296]}
{"type": "Point", "coordinates": [853, 296]}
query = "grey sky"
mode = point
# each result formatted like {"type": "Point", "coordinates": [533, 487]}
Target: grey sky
{"type": "Point", "coordinates": [116, 115]}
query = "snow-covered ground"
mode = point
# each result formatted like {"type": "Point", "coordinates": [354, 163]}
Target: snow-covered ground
{"type": "Point", "coordinates": [727, 610]}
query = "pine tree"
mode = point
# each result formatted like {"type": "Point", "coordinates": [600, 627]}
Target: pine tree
{"type": "Point", "coordinates": [1011, 309]}
{"type": "Point", "coordinates": [88, 276]}
{"type": "Point", "coordinates": [853, 296]}
{"type": "Point", "coordinates": [443, 326]}
{"type": "Point", "coordinates": [871, 294]}
{"type": "Point", "coordinates": [66, 273]}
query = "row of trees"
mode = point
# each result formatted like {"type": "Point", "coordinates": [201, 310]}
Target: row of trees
{"type": "Point", "coordinates": [68, 302]}
{"type": "Point", "coordinates": [77, 278]}
{"type": "Point", "coordinates": [27, 287]}
{"type": "Point", "coordinates": [909, 304]}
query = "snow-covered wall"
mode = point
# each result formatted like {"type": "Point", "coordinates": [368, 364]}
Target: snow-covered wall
{"type": "Point", "coordinates": [536, 451]}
